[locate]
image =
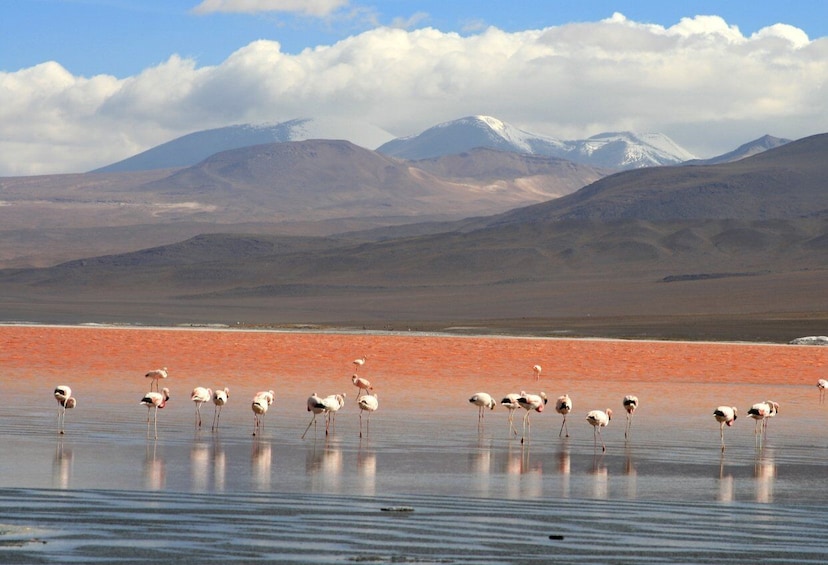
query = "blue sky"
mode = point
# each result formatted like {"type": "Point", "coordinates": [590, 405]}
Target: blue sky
{"type": "Point", "coordinates": [86, 82]}
{"type": "Point", "coordinates": [122, 37]}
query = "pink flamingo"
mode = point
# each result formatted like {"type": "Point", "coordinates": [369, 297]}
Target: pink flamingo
{"type": "Point", "coordinates": [156, 375]}
{"type": "Point", "coordinates": [261, 402]}
{"type": "Point", "coordinates": [63, 395]}
{"type": "Point", "coordinates": [630, 404]}
{"type": "Point", "coordinates": [220, 398]}
{"type": "Point", "coordinates": [156, 400]}
{"type": "Point", "coordinates": [599, 420]}
{"type": "Point", "coordinates": [363, 385]}
{"type": "Point", "coordinates": [725, 415]}
{"type": "Point", "coordinates": [530, 403]}
{"type": "Point", "coordinates": [368, 403]}
{"type": "Point", "coordinates": [563, 406]}
{"type": "Point", "coordinates": [200, 395]}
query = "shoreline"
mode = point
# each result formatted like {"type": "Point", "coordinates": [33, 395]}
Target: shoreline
{"type": "Point", "coordinates": [449, 332]}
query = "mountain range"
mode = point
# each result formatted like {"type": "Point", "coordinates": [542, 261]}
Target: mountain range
{"type": "Point", "coordinates": [611, 151]}
{"type": "Point", "coordinates": [738, 248]}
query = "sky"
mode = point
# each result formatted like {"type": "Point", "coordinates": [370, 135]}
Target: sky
{"type": "Point", "coordinates": [84, 83]}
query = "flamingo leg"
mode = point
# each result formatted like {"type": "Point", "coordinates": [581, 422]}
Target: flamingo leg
{"type": "Point", "coordinates": [603, 447]}
{"type": "Point", "coordinates": [525, 423]}
{"type": "Point", "coordinates": [721, 429]}
{"type": "Point", "coordinates": [313, 420]}
{"type": "Point", "coordinates": [155, 420]}
{"type": "Point", "coordinates": [563, 427]}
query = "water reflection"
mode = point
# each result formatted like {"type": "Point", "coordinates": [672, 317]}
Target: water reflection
{"type": "Point", "coordinates": [260, 463]}
{"type": "Point", "coordinates": [524, 478]}
{"type": "Point", "coordinates": [564, 467]}
{"type": "Point", "coordinates": [367, 470]}
{"type": "Point", "coordinates": [323, 465]}
{"type": "Point", "coordinates": [600, 477]}
{"type": "Point", "coordinates": [725, 482]}
{"type": "Point", "coordinates": [62, 466]}
{"type": "Point", "coordinates": [155, 472]}
{"type": "Point", "coordinates": [764, 471]}
{"type": "Point", "coordinates": [630, 473]}
{"type": "Point", "coordinates": [480, 465]}
{"type": "Point", "coordinates": [199, 466]}
{"type": "Point", "coordinates": [219, 465]}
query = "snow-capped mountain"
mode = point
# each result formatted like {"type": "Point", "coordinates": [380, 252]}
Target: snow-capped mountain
{"type": "Point", "coordinates": [618, 150]}
{"type": "Point", "coordinates": [193, 148]}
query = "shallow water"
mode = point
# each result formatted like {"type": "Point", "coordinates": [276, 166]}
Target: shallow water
{"type": "Point", "coordinates": [427, 483]}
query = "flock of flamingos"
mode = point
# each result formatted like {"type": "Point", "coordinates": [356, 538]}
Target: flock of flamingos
{"type": "Point", "coordinates": [367, 401]}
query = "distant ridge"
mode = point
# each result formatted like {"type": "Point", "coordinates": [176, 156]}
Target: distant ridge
{"type": "Point", "coordinates": [743, 151]}
{"type": "Point", "coordinates": [193, 148]}
{"type": "Point", "coordinates": [612, 150]}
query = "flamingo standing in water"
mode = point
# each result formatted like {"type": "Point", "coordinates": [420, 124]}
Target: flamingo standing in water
{"type": "Point", "coordinates": [537, 370]}
{"type": "Point", "coordinates": [156, 400]}
{"type": "Point", "coordinates": [482, 400]}
{"type": "Point", "coordinates": [156, 375]}
{"type": "Point", "coordinates": [363, 385]}
{"type": "Point", "coordinates": [530, 403]}
{"type": "Point", "coordinates": [760, 412]}
{"type": "Point", "coordinates": [822, 384]}
{"type": "Point", "coordinates": [63, 395]}
{"type": "Point", "coordinates": [220, 398]}
{"type": "Point", "coordinates": [563, 406]}
{"type": "Point", "coordinates": [316, 406]}
{"type": "Point", "coordinates": [200, 395]}
{"type": "Point", "coordinates": [630, 405]}
{"type": "Point", "coordinates": [261, 402]}
{"type": "Point", "coordinates": [333, 403]}
{"type": "Point", "coordinates": [725, 415]}
{"type": "Point", "coordinates": [368, 403]}
{"type": "Point", "coordinates": [510, 402]}
{"type": "Point", "coordinates": [599, 420]}
{"type": "Point", "coordinates": [359, 363]}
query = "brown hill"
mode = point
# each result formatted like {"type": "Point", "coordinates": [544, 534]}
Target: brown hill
{"type": "Point", "coordinates": [300, 188]}
{"type": "Point", "coordinates": [583, 261]}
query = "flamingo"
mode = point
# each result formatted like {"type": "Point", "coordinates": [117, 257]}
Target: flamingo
{"type": "Point", "coordinates": [760, 412]}
{"type": "Point", "coordinates": [332, 403]}
{"type": "Point", "coordinates": [537, 370]}
{"type": "Point", "coordinates": [220, 398]}
{"type": "Point", "coordinates": [725, 415]}
{"type": "Point", "coordinates": [563, 406]}
{"type": "Point", "coordinates": [369, 403]}
{"type": "Point", "coordinates": [482, 400]}
{"type": "Point", "coordinates": [155, 400]}
{"type": "Point", "coordinates": [63, 395]}
{"type": "Point", "coordinates": [359, 362]}
{"type": "Point", "coordinates": [630, 404]}
{"type": "Point", "coordinates": [200, 395]}
{"type": "Point", "coordinates": [510, 402]}
{"type": "Point", "coordinates": [261, 402]}
{"type": "Point", "coordinates": [599, 420]}
{"type": "Point", "coordinates": [530, 403]}
{"type": "Point", "coordinates": [156, 375]}
{"type": "Point", "coordinates": [363, 385]}
{"type": "Point", "coordinates": [822, 384]}
{"type": "Point", "coordinates": [316, 406]}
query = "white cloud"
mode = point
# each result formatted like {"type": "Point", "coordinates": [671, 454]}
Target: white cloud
{"type": "Point", "coordinates": [318, 8]}
{"type": "Point", "coordinates": [700, 81]}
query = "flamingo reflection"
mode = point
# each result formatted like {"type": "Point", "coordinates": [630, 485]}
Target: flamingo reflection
{"type": "Point", "coordinates": [62, 466]}
{"type": "Point", "coordinates": [260, 463]}
{"type": "Point", "coordinates": [155, 472]}
{"type": "Point", "coordinates": [764, 471]}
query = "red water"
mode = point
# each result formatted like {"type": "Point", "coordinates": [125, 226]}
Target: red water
{"type": "Point", "coordinates": [293, 363]}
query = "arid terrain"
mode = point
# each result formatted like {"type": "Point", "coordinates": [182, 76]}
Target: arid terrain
{"type": "Point", "coordinates": [734, 251]}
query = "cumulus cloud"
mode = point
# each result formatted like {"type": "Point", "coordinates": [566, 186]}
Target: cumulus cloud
{"type": "Point", "coordinates": [701, 81]}
{"type": "Point", "coordinates": [317, 8]}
